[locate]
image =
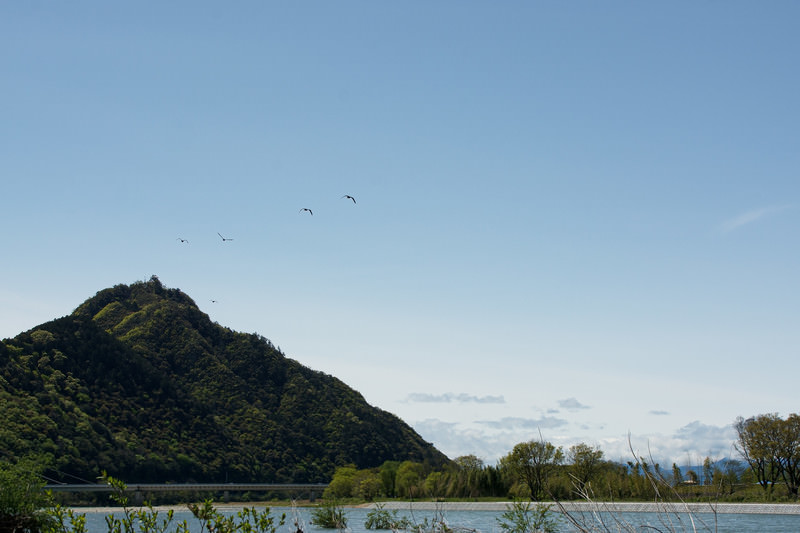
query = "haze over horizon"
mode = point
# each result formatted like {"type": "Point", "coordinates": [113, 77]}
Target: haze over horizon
{"type": "Point", "coordinates": [575, 222]}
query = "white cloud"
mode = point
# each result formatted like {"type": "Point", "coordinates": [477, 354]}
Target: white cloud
{"type": "Point", "coordinates": [454, 440]}
{"type": "Point", "coordinates": [689, 444]}
{"type": "Point", "coordinates": [491, 440]}
{"type": "Point", "coordinates": [716, 440]}
{"type": "Point", "coordinates": [750, 217]}
{"type": "Point", "coordinates": [512, 423]}
{"type": "Point", "coordinates": [572, 404]}
{"type": "Point", "coordinates": [449, 397]}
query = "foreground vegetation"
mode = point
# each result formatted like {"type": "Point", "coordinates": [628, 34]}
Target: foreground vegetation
{"type": "Point", "coordinates": [26, 508]}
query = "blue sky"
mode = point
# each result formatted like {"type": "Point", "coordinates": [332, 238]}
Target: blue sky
{"type": "Point", "coordinates": [577, 220]}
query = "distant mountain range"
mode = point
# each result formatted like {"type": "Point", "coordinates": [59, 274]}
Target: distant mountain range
{"type": "Point", "coordinates": [139, 382]}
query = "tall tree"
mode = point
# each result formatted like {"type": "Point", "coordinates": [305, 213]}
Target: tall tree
{"type": "Point", "coordinates": [677, 477]}
{"type": "Point", "coordinates": [708, 471]}
{"type": "Point", "coordinates": [789, 446]}
{"type": "Point", "coordinates": [532, 463]}
{"type": "Point", "coordinates": [409, 478]}
{"type": "Point", "coordinates": [585, 462]}
{"type": "Point", "coordinates": [758, 444]}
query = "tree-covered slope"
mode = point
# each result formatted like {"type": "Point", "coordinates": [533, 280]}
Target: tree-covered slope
{"type": "Point", "coordinates": [139, 382]}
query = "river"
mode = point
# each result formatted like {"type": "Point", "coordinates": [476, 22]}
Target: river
{"type": "Point", "coordinates": [485, 521]}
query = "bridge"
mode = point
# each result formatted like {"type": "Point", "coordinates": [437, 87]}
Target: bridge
{"type": "Point", "coordinates": [139, 489]}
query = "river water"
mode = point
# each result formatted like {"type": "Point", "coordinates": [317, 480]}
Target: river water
{"type": "Point", "coordinates": [486, 521]}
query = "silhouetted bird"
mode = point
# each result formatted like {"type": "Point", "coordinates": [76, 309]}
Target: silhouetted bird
{"type": "Point", "coordinates": [182, 240]}
{"type": "Point", "coordinates": [307, 209]}
{"type": "Point", "coordinates": [350, 197]}
{"type": "Point", "coordinates": [223, 238]}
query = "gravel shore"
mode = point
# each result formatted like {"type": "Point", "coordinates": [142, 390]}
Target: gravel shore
{"type": "Point", "coordinates": [573, 506]}
{"type": "Point", "coordinates": [622, 507]}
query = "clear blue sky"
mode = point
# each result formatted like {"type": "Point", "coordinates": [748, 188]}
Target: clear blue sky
{"type": "Point", "coordinates": [573, 219]}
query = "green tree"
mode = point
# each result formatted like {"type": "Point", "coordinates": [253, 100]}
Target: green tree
{"type": "Point", "coordinates": [677, 477]}
{"type": "Point", "coordinates": [342, 484]}
{"type": "Point", "coordinates": [367, 484]}
{"type": "Point", "coordinates": [532, 463]}
{"type": "Point", "coordinates": [469, 462]}
{"type": "Point", "coordinates": [585, 462]}
{"type": "Point", "coordinates": [388, 475]}
{"type": "Point", "coordinates": [468, 477]}
{"type": "Point", "coordinates": [409, 478]}
{"type": "Point", "coordinates": [708, 471]}
{"type": "Point", "coordinates": [434, 484]}
{"type": "Point", "coordinates": [732, 471]}
{"type": "Point", "coordinates": [789, 452]}
{"type": "Point", "coordinates": [758, 444]}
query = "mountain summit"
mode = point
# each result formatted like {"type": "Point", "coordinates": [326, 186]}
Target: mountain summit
{"type": "Point", "coordinates": [139, 382]}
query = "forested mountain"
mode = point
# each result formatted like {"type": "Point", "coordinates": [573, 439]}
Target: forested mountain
{"type": "Point", "coordinates": [139, 382]}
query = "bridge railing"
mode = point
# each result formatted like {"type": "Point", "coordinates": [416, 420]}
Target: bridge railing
{"type": "Point", "coordinates": [138, 489]}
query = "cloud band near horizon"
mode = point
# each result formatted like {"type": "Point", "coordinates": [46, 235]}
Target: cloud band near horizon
{"type": "Point", "coordinates": [449, 397]}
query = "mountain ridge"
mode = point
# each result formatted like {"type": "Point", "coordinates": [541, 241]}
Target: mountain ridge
{"type": "Point", "coordinates": [139, 382]}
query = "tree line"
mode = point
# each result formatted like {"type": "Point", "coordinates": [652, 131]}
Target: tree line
{"type": "Point", "coordinates": [539, 470]}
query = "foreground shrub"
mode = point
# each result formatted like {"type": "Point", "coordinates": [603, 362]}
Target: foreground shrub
{"type": "Point", "coordinates": [521, 517]}
{"type": "Point", "coordinates": [329, 515]}
{"type": "Point", "coordinates": [380, 518]}
{"type": "Point", "coordinates": [247, 520]}
{"type": "Point", "coordinates": [148, 520]}
{"type": "Point", "coordinates": [23, 500]}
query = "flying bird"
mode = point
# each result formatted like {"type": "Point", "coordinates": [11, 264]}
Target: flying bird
{"type": "Point", "coordinates": [349, 197]}
{"type": "Point", "coordinates": [223, 238]}
{"type": "Point", "coordinates": [182, 240]}
{"type": "Point", "coordinates": [307, 209]}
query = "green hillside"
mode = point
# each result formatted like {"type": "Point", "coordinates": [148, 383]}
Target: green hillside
{"type": "Point", "coordinates": [139, 382]}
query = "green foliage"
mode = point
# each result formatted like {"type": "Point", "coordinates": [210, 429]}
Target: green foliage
{"type": "Point", "coordinates": [409, 478]}
{"type": "Point", "coordinates": [586, 462]}
{"type": "Point", "coordinates": [771, 446]}
{"type": "Point", "coordinates": [329, 515]}
{"type": "Point", "coordinates": [140, 520]}
{"type": "Point", "coordinates": [380, 518]}
{"type": "Point", "coordinates": [65, 520]}
{"type": "Point", "coordinates": [532, 463]}
{"type": "Point", "coordinates": [521, 517]}
{"type": "Point", "coordinates": [388, 474]}
{"type": "Point", "coordinates": [23, 498]}
{"type": "Point", "coordinates": [139, 382]}
{"type": "Point", "coordinates": [149, 520]}
{"type": "Point", "coordinates": [434, 484]}
{"type": "Point", "coordinates": [367, 485]}
{"type": "Point", "coordinates": [246, 520]}
{"type": "Point", "coordinates": [342, 484]}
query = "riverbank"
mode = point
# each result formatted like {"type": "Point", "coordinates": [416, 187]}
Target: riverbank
{"type": "Point", "coordinates": [571, 506]}
{"type": "Point", "coordinates": [614, 507]}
